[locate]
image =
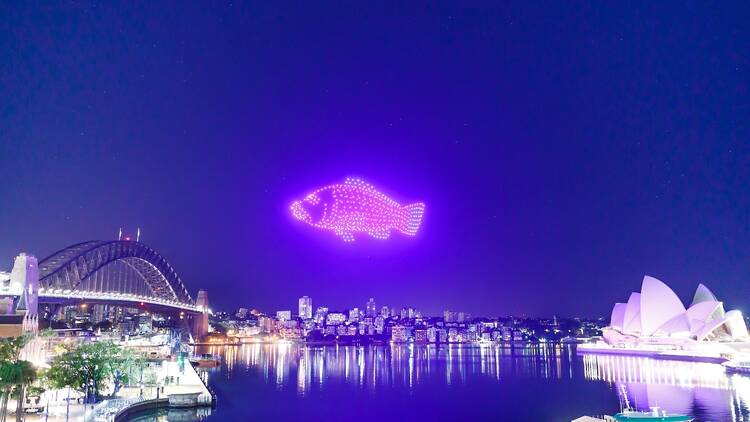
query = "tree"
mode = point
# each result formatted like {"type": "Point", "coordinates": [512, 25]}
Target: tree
{"type": "Point", "coordinates": [14, 373]}
{"type": "Point", "coordinates": [89, 367]}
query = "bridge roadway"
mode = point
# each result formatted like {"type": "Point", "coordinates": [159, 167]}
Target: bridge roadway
{"type": "Point", "coordinates": [60, 296]}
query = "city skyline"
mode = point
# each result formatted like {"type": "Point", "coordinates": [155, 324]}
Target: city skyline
{"type": "Point", "coordinates": [306, 308]}
{"type": "Point", "coordinates": [562, 152]}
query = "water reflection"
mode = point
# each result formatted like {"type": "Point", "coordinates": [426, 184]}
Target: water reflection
{"type": "Point", "coordinates": [699, 389]}
{"type": "Point", "coordinates": [394, 366]}
{"type": "Point", "coordinates": [173, 415]}
{"type": "Point", "coordinates": [682, 387]}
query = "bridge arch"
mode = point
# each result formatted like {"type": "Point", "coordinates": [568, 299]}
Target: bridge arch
{"type": "Point", "coordinates": [121, 266]}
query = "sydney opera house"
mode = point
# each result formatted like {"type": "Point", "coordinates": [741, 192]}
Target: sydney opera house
{"type": "Point", "coordinates": [655, 320]}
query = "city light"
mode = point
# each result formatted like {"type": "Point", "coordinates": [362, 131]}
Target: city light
{"type": "Point", "coordinates": [357, 207]}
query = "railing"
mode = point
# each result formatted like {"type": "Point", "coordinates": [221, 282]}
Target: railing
{"type": "Point", "coordinates": [107, 410]}
{"type": "Point", "coordinates": [203, 399]}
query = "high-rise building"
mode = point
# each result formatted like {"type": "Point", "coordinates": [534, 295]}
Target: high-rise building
{"type": "Point", "coordinates": [385, 312]}
{"type": "Point", "coordinates": [283, 315]}
{"type": "Point", "coordinates": [404, 313]}
{"type": "Point", "coordinates": [371, 309]}
{"type": "Point", "coordinates": [320, 314]}
{"type": "Point", "coordinates": [305, 307]}
{"type": "Point", "coordinates": [449, 316]}
{"type": "Point", "coordinates": [354, 315]}
{"type": "Point", "coordinates": [408, 312]}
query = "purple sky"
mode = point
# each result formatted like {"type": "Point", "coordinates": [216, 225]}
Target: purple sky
{"type": "Point", "coordinates": [563, 152]}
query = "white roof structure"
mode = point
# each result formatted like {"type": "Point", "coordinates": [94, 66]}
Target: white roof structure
{"type": "Point", "coordinates": [659, 305]}
{"type": "Point", "coordinates": [632, 321]}
{"type": "Point", "coordinates": [618, 315]}
{"type": "Point", "coordinates": [702, 294]}
{"type": "Point", "coordinates": [657, 312]}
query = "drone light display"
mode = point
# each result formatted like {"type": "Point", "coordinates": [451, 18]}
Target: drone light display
{"type": "Point", "coordinates": [356, 207]}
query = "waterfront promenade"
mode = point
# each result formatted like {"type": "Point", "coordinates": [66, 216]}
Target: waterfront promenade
{"type": "Point", "coordinates": [174, 380]}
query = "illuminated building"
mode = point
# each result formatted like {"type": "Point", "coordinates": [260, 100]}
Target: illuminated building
{"type": "Point", "coordinates": [432, 335]}
{"type": "Point", "coordinates": [354, 315]}
{"type": "Point", "coordinates": [399, 334]}
{"type": "Point", "coordinates": [335, 318]}
{"type": "Point", "coordinates": [266, 324]}
{"type": "Point", "coordinates": [449, 316]}
{"type": "Point", "coordinates": [370, 309]}
{"type": "Point", "coordinates": [357, 207]}
{"type": "Point", "coordinates": [305, 307]}
{"type": "Point", "coordinates": [290, 333]}
{"type": "Point", "coordinates": [385, 312]}
{"type": "Point", "coordinates": [408, 312]}
{"type": "Point", "coordinates": [283, 315]}
{"type": "Point", "coordinates": [655, 320]}
{"type": "Point", "coordinates": [657, 312]}
{"type": "Point", "coordinates": [320, 314]}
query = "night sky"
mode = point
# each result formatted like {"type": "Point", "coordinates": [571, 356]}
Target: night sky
{"type": "Point", "coordinates": [563, 150]}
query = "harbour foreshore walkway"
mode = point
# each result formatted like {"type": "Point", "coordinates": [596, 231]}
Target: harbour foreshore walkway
{"type": "Point", "coordinates": [174, 380]}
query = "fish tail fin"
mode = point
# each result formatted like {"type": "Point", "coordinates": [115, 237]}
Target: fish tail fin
{"type": "Point", "coordinates": [412, 218]}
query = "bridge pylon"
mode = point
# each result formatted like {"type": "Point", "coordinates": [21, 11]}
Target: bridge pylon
{"type": "Point", "coordinates": [200, 321]}
{"type": "Point", "coordinates": [21, 314]}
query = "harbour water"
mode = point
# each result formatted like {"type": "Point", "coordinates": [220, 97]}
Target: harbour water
{"type": "Point", "coordinates": [530, 382]}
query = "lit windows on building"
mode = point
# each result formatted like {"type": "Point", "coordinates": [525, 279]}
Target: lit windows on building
{"type": "Point", "coordinates": [399, 334]}
{"type": "Point", "coordinates": [305, 307]}
{"type": "Point", "coordinates": [385, 312]}
{"type": "Point", "coordinates": [354, 315]}
{"type": "Point", "coordinates": [335, 318]}
{"type": "Point", "coordinates": [320, 315]}
{"type": "Point", "coordinates": [371, 309]}
{"type": "Point", "coordinates": [283, 315]}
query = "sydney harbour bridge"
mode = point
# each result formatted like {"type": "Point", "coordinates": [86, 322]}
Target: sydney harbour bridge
{"type": "Point", "coordinates": [117, 272]}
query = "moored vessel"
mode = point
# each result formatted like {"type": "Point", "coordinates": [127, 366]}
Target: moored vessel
{"type": "Point", "coordinates": [655, 414]}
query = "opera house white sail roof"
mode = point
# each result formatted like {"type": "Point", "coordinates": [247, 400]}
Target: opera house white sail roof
{"type": "Point", "coordinates": [657, 312]}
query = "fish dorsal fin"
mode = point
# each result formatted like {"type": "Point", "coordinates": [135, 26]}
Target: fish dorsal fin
{"type": "Point", "coordinates": [357, 182]}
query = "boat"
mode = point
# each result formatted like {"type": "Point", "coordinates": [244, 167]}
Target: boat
{"type": "Point", "coordinates": [628, 414]}
{"type": "Point", "coordinates": [655, 414]}
{"type": "Point", "coordinates": [206, 359]}
{"type": "Point", "coordinates": [737, 366]}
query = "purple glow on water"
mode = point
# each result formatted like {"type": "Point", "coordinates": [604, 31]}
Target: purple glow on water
{"type": "Point", "coordinates": [509, 382]}
{"type": "Point", "coordinates": [355, 206]}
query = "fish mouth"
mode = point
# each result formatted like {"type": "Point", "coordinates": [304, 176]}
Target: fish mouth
{"type": "Point", "coordinates": [299, 212]}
